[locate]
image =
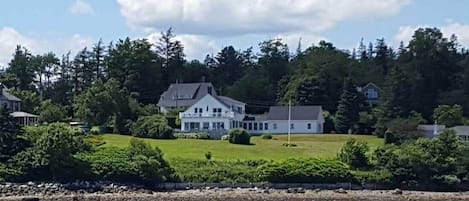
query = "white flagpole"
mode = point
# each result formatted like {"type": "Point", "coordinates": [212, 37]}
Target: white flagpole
{"type": "Point", "coordinates": [289, 120]}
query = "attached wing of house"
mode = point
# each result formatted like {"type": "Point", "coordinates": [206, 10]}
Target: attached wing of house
{"type": "Point", "coordinates": [12, 104]}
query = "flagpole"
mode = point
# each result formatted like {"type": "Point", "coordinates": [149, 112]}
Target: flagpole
{"type": "Point", "coordinates": [289, 120]}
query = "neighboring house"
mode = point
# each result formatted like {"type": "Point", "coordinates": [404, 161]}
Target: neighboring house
{"type": "Point", "coordinates": [12, 104]}
{"type": "Point", "coordinates": [184, 95]}
{"type": "Point", "coordinates": [462, 132]}
{"type": "Point", "coordinates": [372, 93]}
{"type": "Point", "coordinates": [213, 113]}
{"type": "Point", "coordinates": [431, 130]}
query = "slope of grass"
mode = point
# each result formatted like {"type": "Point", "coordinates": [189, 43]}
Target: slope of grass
{"type": "Point", "coordinates": [307, 146]}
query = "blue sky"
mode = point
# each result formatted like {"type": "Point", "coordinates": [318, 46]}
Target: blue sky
{"type": "Point", "coordinates": [205, 26]}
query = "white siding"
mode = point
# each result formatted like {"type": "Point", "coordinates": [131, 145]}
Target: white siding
{"type": "Point", "coordinates": [205, 114]}
{"type": "Point", "coordinates": [299, 126]}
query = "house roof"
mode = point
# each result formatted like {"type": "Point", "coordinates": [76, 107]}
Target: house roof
{"type": "Point", "coordinates": [7, 96]}
{"type": "Point", "coordinates": [297, 113]}
{"type": "Point", "coordinates": [23, 114]}
{"type": "Point", "coordinates": [185, 94]}
{"type": "Point", "coordinates": [461, 130]}
{"type": "Point", "coordinates": [430, 127]}
{"type": "Point", "coordinates": [229, 101]}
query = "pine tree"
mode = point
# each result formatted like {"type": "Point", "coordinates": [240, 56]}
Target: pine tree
{"type": "Point", "coordinates": [10, 144]}
{"type": "Point", "coordinates": [349, 108]}
{"type": "Point", "coordinates": [397, 96]}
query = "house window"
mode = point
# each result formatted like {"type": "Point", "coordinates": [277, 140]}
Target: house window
{"type": "Point", "coordinates": [207, 108]}
{"type": "Point", "coordinates": [214, 126]}
{"type": "Point", "coordinates": [292, 126]}
{"type": "Point", "coordinates": [200, 110]}
{"type": "Point", "coordinates": [245, 126]}
{"type": "Point", "coordinates": [186, 126]}
{"type": "Point", "coordinates": [219, 110]}
{"type": "Point", "coordinates": [309, 126]}
{"type": "Point", "coordinates": [206, 125]}
{"type": "Point", "coordinates": [214, 110]}
{"type": "Point", "coordinates": [240, 110]}
{"type": "Point", "coordinates": [274, 126]}
{"type": "Point", "coordinates": [261, 126]}
{"type": "Point", "coordinates": [195, 110]}
{"type": "Point", "coordinates": [266, 126]}
{"type": "Point", "coordinates": [255, 126]}
{"type": "Point", "coordinates": [250, 126]}
{"type": "Point", "coordinates": [222, 125]}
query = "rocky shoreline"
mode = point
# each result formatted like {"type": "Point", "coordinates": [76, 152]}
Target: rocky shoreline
{"type": "Point", "coordinates": [85, 191]}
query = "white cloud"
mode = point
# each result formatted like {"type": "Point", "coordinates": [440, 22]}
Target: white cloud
{"type": "Point", "coordinates": [405, 33]}
{"type": "Point", "coordinates": [10, 38]}
{"type": "Point", "coordinates": [80, 7]}
{"type": "Point", "coordinates": [460, 30]}
{"type": "Point", "coordinates": [228, 17]}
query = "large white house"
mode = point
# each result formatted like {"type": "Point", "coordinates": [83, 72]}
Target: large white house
{"type": "Point", "coordinates": [213, 113]}
{"type": "Point", "coordinates": [219, 113]}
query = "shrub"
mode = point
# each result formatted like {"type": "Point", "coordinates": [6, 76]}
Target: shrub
{"type": "Point", "coordinates": [372, 177]}
{"type": "Point", "coordinates": [225, 137]}
{"type": "Point", "coordinates": [239, 136]}
{"type": "Point", "coordinates": [208, 155]}
{"type": "Point", "coordinates": [353, 153]}
{"type": "Point", "coordinates": [266, 136]}
{"type": "Point", "coordinates": [212, 171]}
{"type": "Point", "coordinates": [154, 126]}
{"type": "Point", "coordinates": [305, 171]}
{"type": "Point", "coordinates": [137, 163]}
{"type": "Point", "coordinates": [200, 136]}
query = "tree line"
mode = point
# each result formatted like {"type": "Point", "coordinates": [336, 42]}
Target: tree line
{"type": "Point", "coordinates": [113, 84]}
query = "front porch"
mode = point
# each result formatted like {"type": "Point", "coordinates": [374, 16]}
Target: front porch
{"type": "Point", "coordinates": [25, 119]}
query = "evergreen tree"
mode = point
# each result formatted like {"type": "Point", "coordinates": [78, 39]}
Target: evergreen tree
{"type": "Point", "coordinates": [397, 96]}
{"type": "Point", "coordinates": [22, 68]}
{"type": "Point", "coordinates": [229, 68]}
{"type": "Point", "coordinates": [10, 143]}
{"type": "Point", "coordinates": [349, 108]}
{"type": "Point", "coordinates": [172, 54]}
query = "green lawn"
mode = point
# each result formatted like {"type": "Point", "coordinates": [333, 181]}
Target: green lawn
{"type": "Point", "coordinates": [308, 146]}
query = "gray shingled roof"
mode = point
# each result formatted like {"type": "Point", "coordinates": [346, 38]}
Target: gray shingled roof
{"type": "Point", "coordinates": [7, 96]}
{"type": "Point", "coordinates": [461, 130]}
{"type": "Point", "coordinates": [190, 93]}
{"type": "Point", "coordinates": [297, 113]}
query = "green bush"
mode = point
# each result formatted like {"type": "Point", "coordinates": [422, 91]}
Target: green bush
{"type": "Point", "coordinates": [353, 153]}
{"type": "Point", "coordinates": [266, 136]}
{"type": "Point", "coordinates": [239, 136]}
{"type": "Point", "coordinates": [137, 163]}
{"type": "Point", "coordinates": [199, 136]}
{"type": "Point", "coordinates": [305, 171]}
{"type": "Point", "coordinates": [155, 126]}
{"type": "Point", "coordinates": [217, 171]}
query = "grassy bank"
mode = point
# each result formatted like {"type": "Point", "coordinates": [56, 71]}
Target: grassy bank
{"type": "Point", "coordinates": [323, 146]}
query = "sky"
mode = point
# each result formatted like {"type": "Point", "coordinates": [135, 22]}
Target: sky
{"type": "Point", "coordinates": [206, 26]}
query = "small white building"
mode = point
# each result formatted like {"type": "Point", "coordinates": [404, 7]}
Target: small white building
{"type": "Point", "coordinates": [12, 105]}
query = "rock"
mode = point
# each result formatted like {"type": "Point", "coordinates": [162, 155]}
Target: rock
{"type": "Point", "coordinates": [341, 191]}
{"type": "Point", "coordinates": [208, 188]}
{"type": "Point", "coordinates": [266, 191]}
{"type": "Point", "coordinates": [31, 183]}
{"type": "Point", "coordinates": [300, 190]}
{"type": "Point", "coordinates": [291, 190]}
{"type": "Point", "coordinates": [317, 190]}
{"type": "Point", "coordinates": [397, 192]}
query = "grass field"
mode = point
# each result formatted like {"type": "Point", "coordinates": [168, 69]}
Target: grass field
{"type": "Point", "coordinates": [307, 146]}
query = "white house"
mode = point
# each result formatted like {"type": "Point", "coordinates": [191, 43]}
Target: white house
{"type": "Point", "coordinates": [303, 120]}
{"type": "Point", "coordinates": [212, 113]}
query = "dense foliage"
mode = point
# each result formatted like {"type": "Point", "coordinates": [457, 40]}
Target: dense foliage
{"type": "Point", "coordinates": [305, 171]}
{"type": "Point", "coordinates": [239, 136]}
{"type": "Point", "coordinates": [155, 126]}
{"type": "Point", "coordinates": [137, 163]}
{"type": "Point", "coordinates": [354, 153]}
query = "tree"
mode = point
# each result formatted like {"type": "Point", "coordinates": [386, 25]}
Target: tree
{"type": "Point", "coordinates": [396, 96]}
{"type": "Point", "coordinates": [349, 107]}
{"type": "Point", "coordinates": [353, 153]}
{"type": "Point", "coordinates": [10, 142]}
{"type": "Point", "coordinates": [448, 115]}
{"type": "Point", "coordinates": [274, 59]}
{"type": "Point", "coordinates": [51, 112]}
{"type": "Point", "coordinates": [172, 54]}
{"type": "Point", "coordinates": [229, 68]}
{"type": "Point", "coordinates": [155, 126]}
{"type": "Point", "coordinates": [54, 150]}
{"type": "Point", "coordinates": [22, 68]}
